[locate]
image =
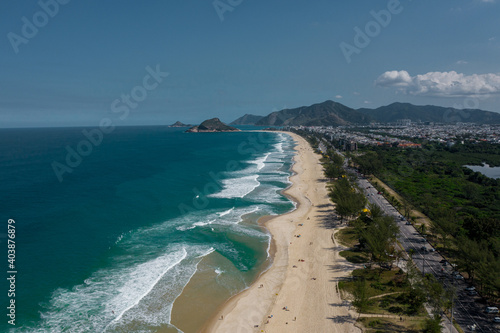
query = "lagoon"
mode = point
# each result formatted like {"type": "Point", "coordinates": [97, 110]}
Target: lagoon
{"type": "Point", "coordinates": [485, 169]}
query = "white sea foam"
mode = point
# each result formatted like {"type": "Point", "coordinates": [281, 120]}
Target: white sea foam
{"type": "Point", "coordinates": [194, 225]}
{"type": "Point", "coordinates": [260, 162]}
{"type": "Point", "coordinates": [228, 217]}
{"type": "Point", "coordinates": [252, 210]}
{"type": "Point", "coordinates": [185, 227]}
{"type": "Point", "coordinates": [279, 146]}
{"type": "Point", "coordinates": [225, 212]}
{"type": "Point", "coordinates": [237, 187]}
{"type": "Point", "coordinates": [201, 224]}
{"type": "Point", "coordinates": [119, 238]}
{"type": "Point", "coordinates": [140, 281]}
{"type": "Point", "coordinates": [113, 298]}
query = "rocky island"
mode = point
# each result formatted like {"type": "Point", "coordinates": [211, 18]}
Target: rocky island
{"type": "Point", "coordinates": [179, 124]}
{"type": "Point", "coordinates": [212, 125]}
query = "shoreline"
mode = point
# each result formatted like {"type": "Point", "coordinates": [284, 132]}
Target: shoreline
{"type": "Point", "coordinates": [307, 290]}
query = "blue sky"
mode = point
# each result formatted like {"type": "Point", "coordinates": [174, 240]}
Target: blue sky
{"type": "Point", "coordinates": [262, 56]}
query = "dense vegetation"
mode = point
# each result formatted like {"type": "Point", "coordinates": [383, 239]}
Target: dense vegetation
{"type": "Point", "coordinates": [463, 205]}
{"type": "Point", "coordinates": [380, 288]}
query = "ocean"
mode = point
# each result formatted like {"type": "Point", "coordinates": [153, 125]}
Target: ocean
{"type": "Point", "coordinates": [109, 233]}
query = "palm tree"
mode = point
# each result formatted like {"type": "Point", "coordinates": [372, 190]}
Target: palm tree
{"type": "Point", "coordinates": [411, 252]}
{"type": "Point", "coordinates": [423, 229]}
{"type": "Point", "coordinates": [406, 209]}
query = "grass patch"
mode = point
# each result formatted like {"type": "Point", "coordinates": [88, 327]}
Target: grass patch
{"type": "Point", "coordinates": [388, 292]}
{"type": "Point", "coordinates": [374, 325]}
{"type": "Point", "coordinates": [396, 304]}
{"type": "Point", "coordinates": [347, 237]}
{"type": "Point", "coordinates": [355, 256]}
{"type": "Point", "coordinates": [380, 281]}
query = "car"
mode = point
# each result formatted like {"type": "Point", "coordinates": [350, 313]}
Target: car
{"type": "Point", "coordinates": [445, 263]}
{"type": "Point", "coordinates": [491, 309]}
{"type": "Point", "coordinates": [432, 249]}
{"type": "Point", "coordinates": [471, 288]}
{"type": "Point", "coordinates": [472, 293]}
{"type": "Point", "coordinates": [379, 192]}
{"type": "Point", "coordinates": [458, 277]}
{"type": "Point", "coordinates": [408, 223]}
{"type": "Point", "coordinates": [423, 249]}
{"type": "Point", "coordinates": [442, 261]}
{"type": "Point", "coordinates": [497, 320]}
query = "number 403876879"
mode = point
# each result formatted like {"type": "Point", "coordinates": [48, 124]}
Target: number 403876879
{"type": "Point", "coordinates": [11, 229]}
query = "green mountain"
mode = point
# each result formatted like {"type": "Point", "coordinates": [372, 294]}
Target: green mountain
{"type": "Point", "coordinates": [437, 114]}
{"type": "Point", "coordinates": [328, 113]}
{"type": "Point", "coordinates": [212, 125]}
{"type": "Point", "coordinates": [248, 119]}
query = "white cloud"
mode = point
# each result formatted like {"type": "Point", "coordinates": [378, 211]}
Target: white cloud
{"type": "Point", "coordinates": [367, 102]}
{"type": "Point", "coordinates": [338, 96]}
{"type": "Point", "coordinates": [394, 79]}
{"type": "Point", "coordinates": [443, 84]}
{"type": "Point", "coordinates": [356, 93]}
{"type": "Point", "coordinates": [461, 62]}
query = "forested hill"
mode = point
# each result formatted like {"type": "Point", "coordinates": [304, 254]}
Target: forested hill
{"type": "Point", "coordinates": [331, 113]}
{"type": "Point", "coordinates": [430, 113]}
{"type": "Point", "coordinates": [328, 113]}
{"type": "Point", "coordinates": [248, 119]}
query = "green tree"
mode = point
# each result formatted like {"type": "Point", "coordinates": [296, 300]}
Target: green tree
{"type": "Point", "coordinates": [348, 202]}
{"type": "Point", "coordinates": [407, 209]}
{"type": "Point", "coordinates": [336, 158]}
{"type": "Point", "coordinates": [469, 255]}
{"type": "Point", "coordinates": [411, 252]}
{"type": "Point", "coordinates": [415, 299]}
{"type": "Point", "coordinates": [433, 325]}
{"type": "Point", "coordinates": [333, 171]}
{"type": "Point", "coordinates": [471, 191]}
{"type": "Point", "coordinates": [380, 237]}
{"type": "Point", "coordinates": [360, 293]}
{"type": "Point", "coordinates": [423, 229]}
{"type": "Point", "coordinates": [369, 163]}
{"type": "Point", "coordinates": [375, 211]}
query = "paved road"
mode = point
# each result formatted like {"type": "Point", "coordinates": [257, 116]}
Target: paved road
{"type": "Point", "coordinates": [469, 310]}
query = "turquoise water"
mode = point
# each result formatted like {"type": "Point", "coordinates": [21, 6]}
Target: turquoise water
{"type": "Point", "coordinates": [115, 242]}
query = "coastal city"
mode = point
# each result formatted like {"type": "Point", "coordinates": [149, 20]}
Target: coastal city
{"type": "Point", "coordinates": [409, 135]}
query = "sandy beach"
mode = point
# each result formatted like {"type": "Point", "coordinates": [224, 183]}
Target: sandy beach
{"type": "Point", "coordinates": [299, 292]}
